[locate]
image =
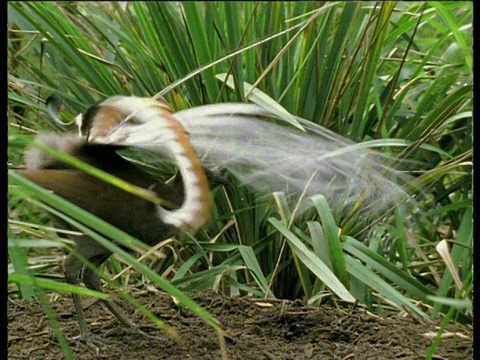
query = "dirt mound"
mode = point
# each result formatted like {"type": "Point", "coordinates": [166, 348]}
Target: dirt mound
{"type": "Point", "coordinates": [256, 330]}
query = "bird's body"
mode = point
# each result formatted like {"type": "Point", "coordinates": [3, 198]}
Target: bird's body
{"type": "Point", "coordinates": [135, 216]}
{"type": "Point", "coordinates": [187, 200]}
{"type": "Point", "coordinates": [250, 142]}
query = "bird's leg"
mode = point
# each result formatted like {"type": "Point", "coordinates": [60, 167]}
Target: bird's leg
{"type": "Point", "coordinates": [92, 281]}
{"type": "Point", "coordinates": [72, 268]}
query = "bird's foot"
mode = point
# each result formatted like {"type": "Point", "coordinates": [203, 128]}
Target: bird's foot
{"type": "Point", "coordinates": [92, 341]}
{"type": "Point", "coordinates": [133, 329]}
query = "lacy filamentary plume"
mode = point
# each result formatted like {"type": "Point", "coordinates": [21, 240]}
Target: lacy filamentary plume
{"type": "Point", "coordinates": [266, 152]}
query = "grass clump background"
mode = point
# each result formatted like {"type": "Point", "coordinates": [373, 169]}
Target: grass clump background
{"type": "Point", "coordinates": [369, 71]}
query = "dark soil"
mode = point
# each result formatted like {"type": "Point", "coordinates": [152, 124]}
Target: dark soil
{"type": "Point", "coordinates": [255, 330]}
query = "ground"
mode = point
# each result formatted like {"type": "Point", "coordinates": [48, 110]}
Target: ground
{"type": "Point", "coordinates": [255, 330]}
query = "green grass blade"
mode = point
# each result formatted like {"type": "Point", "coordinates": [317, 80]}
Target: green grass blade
{"type": "Point", "coordinates": [332, 236]}
{"type": "Point", "coordinates": [313, 262]}
{"type": "Point", "coordinates": [360, 272]}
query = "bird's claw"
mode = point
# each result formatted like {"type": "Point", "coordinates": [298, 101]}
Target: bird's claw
{"type": "Point", "coordinates": [91, 341]}
{"type": "Point", "coordinates": [134, 329]}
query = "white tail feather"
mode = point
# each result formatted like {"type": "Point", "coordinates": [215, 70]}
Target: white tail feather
{"type": "Point", "coordinates": [268, 154]}
{"type": "Point", "coordinates": [265, 152]}
{"type": "Point", "coordinates": [148, 125]}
